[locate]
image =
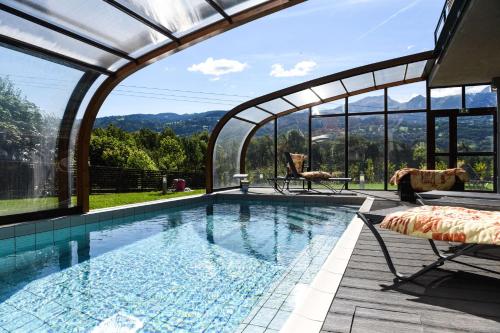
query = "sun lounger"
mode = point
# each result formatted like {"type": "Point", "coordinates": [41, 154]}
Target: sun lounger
{"type": "Point", "coordinates": [295, 166]}
{"type": "Point", "coordinates": [476, 230]}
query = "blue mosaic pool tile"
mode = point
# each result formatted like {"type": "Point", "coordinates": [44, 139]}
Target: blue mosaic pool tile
{"type": "Point", "coordinates": [7, 246]}
{"type": "Point", "coordinates": [62, 235]}
{"type": "Point", "coordinates": [25, 242]}
{"type": "Point", "coordinates": [44, 238]}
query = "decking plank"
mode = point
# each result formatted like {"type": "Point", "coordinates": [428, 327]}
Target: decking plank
{"type": "Point", "coordinates": [454, 298]}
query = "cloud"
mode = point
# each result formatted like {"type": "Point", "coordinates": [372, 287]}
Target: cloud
{"type": "Point", "coordinates": [218, 67]}
{"type": "Point", "coordinates": [300, 69]}
{"type": "Point", "coordinates": [410, 47]}
{"type": "Point", "coordinates": [446, 92]}
{"type": "Point", "coordinates": [390, 18]}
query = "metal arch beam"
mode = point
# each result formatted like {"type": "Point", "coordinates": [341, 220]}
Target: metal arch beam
{"type": "Point", "coordinates": [302, 86]}
{"type": "Point", "coordinates": [64, 136]}
{"type": "Point", "coordinates": [248, 15]}
{"type": "Point", "coordinates": [220, 10]}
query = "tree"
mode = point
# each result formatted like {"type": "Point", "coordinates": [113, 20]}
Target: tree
{"type": "Point", "coordinates": [139, 159]}
{"type": "Point", "coordinates": [171, 154]}
{"type": "Point", "coordinates": [22, 125]}
{"type": "Point", "coordinates": [420, 153]}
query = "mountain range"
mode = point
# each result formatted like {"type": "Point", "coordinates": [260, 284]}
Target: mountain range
{"type": "Point", "coordinates": [188, 124]}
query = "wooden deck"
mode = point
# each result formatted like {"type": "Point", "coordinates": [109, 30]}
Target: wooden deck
{"type": "Point", "coordinates": [454, 298]}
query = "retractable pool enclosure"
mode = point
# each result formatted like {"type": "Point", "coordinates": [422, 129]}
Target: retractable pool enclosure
{"type": "Point", "coordinates": [359, 124]}
{"type": "Point", "coordinates": [71, 54]}
{"type": "Point", "coordinates": [61, 60]}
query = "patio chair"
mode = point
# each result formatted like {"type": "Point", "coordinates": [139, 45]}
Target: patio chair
{"type": "Point", "coordinates": [440, 223]}
{"type": "Point", "coordinates": [295, 162]}
{"type": "Point", "coordinates": [474, 179]}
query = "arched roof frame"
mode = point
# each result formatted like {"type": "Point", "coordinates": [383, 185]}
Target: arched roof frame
{"type": "Point", "coordinates": [261, 110]}
{"type": "Point", "coordinates": [108, 40]}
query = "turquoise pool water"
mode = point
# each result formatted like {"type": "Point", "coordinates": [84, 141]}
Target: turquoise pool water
{"type": "Point", "coordinates": [192, 269]}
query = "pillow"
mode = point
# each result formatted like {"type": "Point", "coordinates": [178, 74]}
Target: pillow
{"type": "Point", "coordinates": [315, 175]}
{"type": "Point", "coordinates": [454, 224]}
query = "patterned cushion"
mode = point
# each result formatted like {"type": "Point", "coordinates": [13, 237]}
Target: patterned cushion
{"type": "Point", "coordinates": [455, 224]}
{"type": "Point", "coordinates": [427, 180]}
{"type": "Point", "coordinates": [298, 161]}
{"type": "Point", "coordinates": [312, 175]}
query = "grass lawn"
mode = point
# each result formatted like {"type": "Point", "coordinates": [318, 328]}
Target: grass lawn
{"type": "Point", "coordinates": [97, 201]}
{"type": "Point", "coordinates": [117, 199]}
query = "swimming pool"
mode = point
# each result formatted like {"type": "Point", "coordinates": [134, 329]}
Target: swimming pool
{"type": "Point", "coordinates": [203, 267]}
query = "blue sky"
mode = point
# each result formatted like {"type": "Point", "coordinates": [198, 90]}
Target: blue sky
{"type": "Point", "coordinates": [309, 40]}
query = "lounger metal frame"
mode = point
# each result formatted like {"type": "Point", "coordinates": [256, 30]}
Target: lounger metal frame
{"type": "Point", "coordinates": [466, 249]}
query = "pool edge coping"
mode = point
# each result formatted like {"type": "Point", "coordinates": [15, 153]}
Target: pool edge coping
{"type": "Point", "coordinates": [311, 311]}
{"type": "Point", "coordinates": [43, 225]}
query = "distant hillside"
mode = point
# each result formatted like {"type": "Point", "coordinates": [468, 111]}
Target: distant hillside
{"type": "Point", "coordinates": [182, 124]}
{"type": "Point", "coordinates": [187, 124]}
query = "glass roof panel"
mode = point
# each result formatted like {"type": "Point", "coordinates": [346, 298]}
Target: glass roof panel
{"type": "Point", "coordinates": [178, 16]}
{"type": "Point", "coordinates": [276, 106]}
{"type": "Point", "coordinates": [302, 98]}
{"type": "Point", "coordinates": [335, 107]}
{"type": "Point", "coordinates": [96, 20]}
{"type": "Point", "coordinates": [34, 34]}
{"type": "Point", "coordinates": [253, 114]}
{"type": "Point", "coordinates": [415, 70]}
{"type": "Point", "coordinates": [234, 6]}
{"type": "Point", "coordinates": [329, 90]}
{"type": "Point", "coordinates": [358, 82]}
{"type": "Point", "coordinates": [389, 75]}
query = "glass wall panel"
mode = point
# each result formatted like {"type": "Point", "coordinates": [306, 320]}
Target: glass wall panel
{"type": "Point", "coordinates": [335, 107]}
{"type": "Point", "coordinates": [407, 142]}
{"type": "Point", "coordinates": [253, 114]}
{"type": "Point", "coordinates": [33, 97]}
{"type": "Point", "coordinates": [366, 151]}
{"type": "Point", "coordinates": [178, 16]}
{"type": "Point", "coordinates": [226, 159]}
{"type": "Point", "coordinates": [328, 145]}
{"type": "Point", "coordinates": [407, 97]}
{"type": "Point", "coordinates": [302, 98]}
{"type": "Point", "coordinates": [415, 70]}
{"type": "Point", "coordinates": [446, 98]}
{"type": "Point", "coordinates": [480, 97]}
{"type": "Point", "coordinates": [260, 156]}
{"type": "Point", "coordinates": [442, 162]}
{"type": "Point", "coordinates": [94, 19]}
{"type": "Point", "coordinates": [31, 33]}
{"type": "Point", "coordinates": [71, 163]}
{"type": "Point", "coordinates": [389, 75]}
{"type": "Point", "coordinates": [330, 90]}
{"type": "Point", "coordinates": [359, 82]}
{"type": "Point", "coordinates": [442, 134]}
{"type": "Point", "coordinates": [292, 137]}
{"type": "Point", "coordinates": [276, 106]}
{"type": "Point", "coordinates": [480, 170]}
{"type": "Point", "coordinates": [475, 134]}
{"type": "Point", "coordinates": [368, 102]}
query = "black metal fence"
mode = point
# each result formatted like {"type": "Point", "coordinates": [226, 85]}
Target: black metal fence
{"type": "Point", "coordinates": [20, 179]}
{"type": "Point", "coordinates": [108, 179]}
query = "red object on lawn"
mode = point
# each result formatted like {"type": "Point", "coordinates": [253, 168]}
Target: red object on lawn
{"type": "Point", "coordinates": [179, 185]}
